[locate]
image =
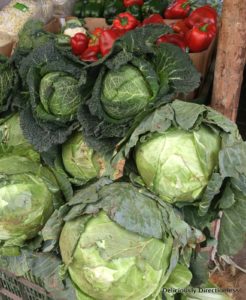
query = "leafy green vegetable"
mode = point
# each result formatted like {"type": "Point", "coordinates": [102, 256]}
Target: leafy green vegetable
{"type": "Point", "coordinates": [83, 163]}
{"type": "Point", "coordinates": [54, 86]}
{"type": "Point", "coordinates": [112, 262]}
{"type": "Point", "coordinates": [134, 78]}
{"type": "Point", "coordinates": [192, 156]}
{"type": "Point", "coordinates": [28, 196]}
{"type": "Point", "coordinates": [59, 95]}
{"type": "Point", "coordinates": [32, 35]}
{"type": "Point", "coordinates": [78, 158]}
{"type": "Point", "coordinates": [125, 92]}
{"type": "Point", "coordinates": [177, 165]}
{"type": "Point", "coordinates": [120, 241]}
{"type": "Point", "coordinates": [12, 139]}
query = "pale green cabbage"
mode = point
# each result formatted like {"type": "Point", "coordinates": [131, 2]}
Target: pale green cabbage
{"type": "Point", "coordinates": [177, 164]}
{"type": "Point", "coordinates": [111, 263]}
{"type": "Point", "coordinates": [28, 196]}
{"type": "Point", "coordinates": [79, 160]}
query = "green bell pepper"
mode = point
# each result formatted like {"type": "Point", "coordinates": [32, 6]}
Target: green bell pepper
{"type": "Point", "coordinates": [112, 8]}
{"type": "Point", "coordinates": [93, 9]}
{"type": "Point", "coordinates": [154, 7]}
{"type": "Point", "coordinates": [77, 9]}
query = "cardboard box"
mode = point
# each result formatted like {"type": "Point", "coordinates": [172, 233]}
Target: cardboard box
{"type": "Point", "coordinates": [171, 21]}
{"type": "Point", "coordinates": [201, 60]}
{"type": "Point", "coordinates": [6, 48]}
{"type": "Point", "coordinates": [3, 3]}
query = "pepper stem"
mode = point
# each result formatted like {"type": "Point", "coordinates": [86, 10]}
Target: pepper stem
{"type": "Point", "coordinates": [204, 27]}
{"type": "Point", "coordinates": [184, 5]}
{"type": "Point", "coordinates": [124, 21]}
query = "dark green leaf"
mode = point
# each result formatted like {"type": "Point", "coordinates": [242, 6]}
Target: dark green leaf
{"type": "Point", "coordinates": [199, 268]}
{"type": "Point", "coordinates": [176, 68]}
{"type": "Point", "coordinates": [233, 226]}
{"type": "Point", "coordinates": [212, 189]}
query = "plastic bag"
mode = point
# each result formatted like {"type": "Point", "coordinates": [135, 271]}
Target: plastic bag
{"type": "Point", "coordinates": [15, 14]}
{"type": "Point", "coordinates": [63, 7]}
{"type": "Point", "coordinates": [4, 3]}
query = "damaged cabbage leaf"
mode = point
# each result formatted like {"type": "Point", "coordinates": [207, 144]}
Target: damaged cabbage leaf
{"type": "Point", "coordinates": [114, 232]}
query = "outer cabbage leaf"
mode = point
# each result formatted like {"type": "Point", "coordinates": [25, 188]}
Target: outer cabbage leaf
{"type": "Point", "coordinates": [31, 36]}
{"type": "Point", "coordinates": [176, 69]}
{"type": "Point", "coordinates": [233, 223]}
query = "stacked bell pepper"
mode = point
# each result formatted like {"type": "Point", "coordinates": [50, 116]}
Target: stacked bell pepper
{"type": "Point", "coordinates": [196, 31]}
{"type": "Point", "coordinates": [91, 47]}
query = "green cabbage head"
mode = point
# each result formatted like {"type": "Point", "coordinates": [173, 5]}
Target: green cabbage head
{"type": "Point", "coordinates": [12, 139]}
{"type": "Point", "coordinates": [112, 263]}
{"type": "Point", "coordinates": [28, 196]}
{"type": "Point", "coordinates": [60, 95]}
{"type": "Point", "coordinates": [125, 92]}
{"type": "Point", "coordinates": [178, 164]}
{"type": "Point", "coordinates": [79, 160]}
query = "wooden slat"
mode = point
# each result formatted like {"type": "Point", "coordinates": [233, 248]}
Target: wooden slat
{"type": "Point", "coordinates": [231, 58]}
{"type": "Point", "coordinates": [9, 294]}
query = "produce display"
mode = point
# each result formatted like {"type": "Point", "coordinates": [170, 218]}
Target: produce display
{"type": "Point", "coordinates": [109, 183]}
{"type": "Point", "coordinates": [192, 26]}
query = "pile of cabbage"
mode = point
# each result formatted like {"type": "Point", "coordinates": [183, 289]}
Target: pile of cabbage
{"type": "Point", "coordinates": [108, 183]}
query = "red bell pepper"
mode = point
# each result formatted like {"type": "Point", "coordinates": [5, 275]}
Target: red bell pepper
{"type": "Point", "coordinates": [91, 54]}
{"type": "Point", "coordinates": [125, 21]}
{"type": "Point", "coordinates": [174, 39]}
{"type": "Point", "coordinates": [94, 40]}
{"type": "Point", "coordinates": [204, 14]}
{"type": "Point", "coordinates": [152, 19]}
{"type": "Point", "coordinates": [179, 9]}
{"type": "Point", "coordinates": [200, 37]}
{"type": "Point", "coordinates": [180, 27]}
{"type": "Point", "coordinates": [107, 39]}
{"type": "Point", "coordinates": [79, 43]}
{"type": "Point", "coordinates": [128, 3]}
